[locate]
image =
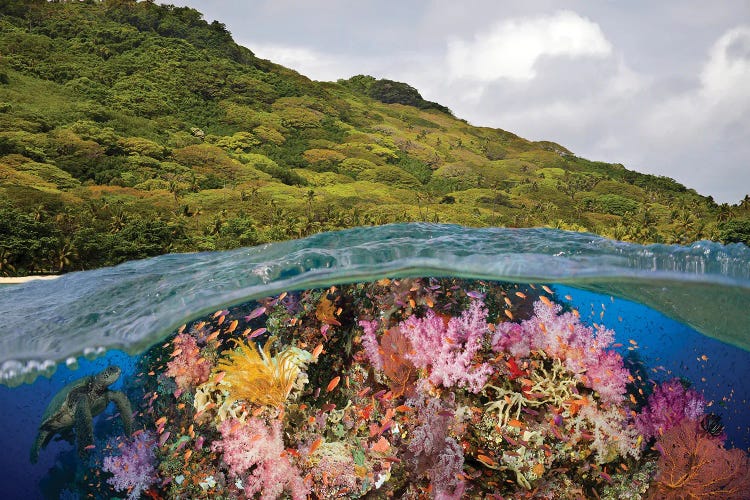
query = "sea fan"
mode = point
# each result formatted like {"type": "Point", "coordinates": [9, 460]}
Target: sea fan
{"type": "Point", "coordinates": [695, 465]}
{"type": "Point", "coordinates": [253, 375]}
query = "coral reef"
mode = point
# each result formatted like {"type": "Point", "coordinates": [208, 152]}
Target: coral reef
{"type": "Point", "coordinates": [583, 349]}
{"type": "Point", "coordinates": [414, 388]}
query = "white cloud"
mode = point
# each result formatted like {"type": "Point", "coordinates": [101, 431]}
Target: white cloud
{"type": "Point", "coordinates": [512, 48]}
{"type": "Point", "coordinates": [721, 101]}
{"type": "Point", "coordinates": [311, 63]}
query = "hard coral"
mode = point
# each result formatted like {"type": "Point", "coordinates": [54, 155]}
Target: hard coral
{"type": "Point", "coordinates": [695, 465]}
{"type": "Point", "coordinates": [254, 452]}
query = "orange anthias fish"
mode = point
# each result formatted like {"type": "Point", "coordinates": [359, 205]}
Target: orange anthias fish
{"type": "Point", "coordinates": [317, 351]}
{"type": "Point", "coordinates": [316, 444]}
{"type": "Point", "coordinates": [333, 383]}
{"type": "Point", "coordinates": [232, 326]}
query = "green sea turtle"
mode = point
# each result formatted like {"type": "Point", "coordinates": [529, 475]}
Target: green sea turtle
{"type": "Point", "coordinates": [74, 407]}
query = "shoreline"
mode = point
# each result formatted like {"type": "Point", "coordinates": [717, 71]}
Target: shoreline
{"type": "Point", "coordinates": [25, 279]}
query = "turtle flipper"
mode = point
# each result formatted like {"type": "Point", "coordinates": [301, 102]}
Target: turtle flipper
{"type": "Point", "coordinates": [84, 425]}
{"type": "Point", "coordinates": [41, 441]}
{"type": "Point", "coordinates": [126, 412]}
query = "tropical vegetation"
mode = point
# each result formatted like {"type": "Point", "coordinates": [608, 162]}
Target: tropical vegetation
{"type": "Point", "coordinates": [130, 129]}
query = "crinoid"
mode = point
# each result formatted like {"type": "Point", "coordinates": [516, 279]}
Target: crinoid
{"type": "Point", "coordinates": [254, 375]}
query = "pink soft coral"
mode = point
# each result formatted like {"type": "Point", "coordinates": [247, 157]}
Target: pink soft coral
{"type": "Point", "coordinates": [370, 343]}
{"type": "Point", "coordinates": [255, 453]}
{"type": "Point", "coordinates": [583, 349]}
{"type": "Point", "coordinates": [668, 406]}
{"type": "Point", "coordinates": [448, 347]}
{"type": "Point", "coordinates": [188, 368]}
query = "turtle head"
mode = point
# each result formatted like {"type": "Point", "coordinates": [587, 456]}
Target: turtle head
{"type": "Point", "coordinates": [109, 376]}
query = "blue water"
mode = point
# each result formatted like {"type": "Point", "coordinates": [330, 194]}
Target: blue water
{"type": "Point", "coordinates": [677, 304]}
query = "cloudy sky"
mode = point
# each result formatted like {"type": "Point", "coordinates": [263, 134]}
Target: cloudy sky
{"type": "Point", "coordinates": [662, 87]}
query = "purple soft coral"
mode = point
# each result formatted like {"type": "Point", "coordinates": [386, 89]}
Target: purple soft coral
{"type": "Point", "coordinates": [255, 453]}
{"type": "Point", "coordinates": [668, 405]}
{"type": "Point", "coordinates": [448, 348]}
{"type": "Point", "coordinates": [583, 349]}
{"type": "Point", "coordinates": [134, 469]}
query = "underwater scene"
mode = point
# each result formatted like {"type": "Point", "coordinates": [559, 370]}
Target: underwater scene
{"type": "Point", "coordinates": [402, 361]}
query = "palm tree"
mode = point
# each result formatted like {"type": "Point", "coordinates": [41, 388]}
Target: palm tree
{"type": "Point", "coordinates": [6, 268]}
{"type": "Point", "coordinates": [64, 254]}
{"type": "Point", "coordinates": [725, 212]}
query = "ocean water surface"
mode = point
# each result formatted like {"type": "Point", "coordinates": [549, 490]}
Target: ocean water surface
{"type": "Point", "coordinates": [676, 313]}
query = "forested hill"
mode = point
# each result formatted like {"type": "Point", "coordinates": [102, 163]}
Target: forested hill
{"type": "Point", "coordinates": [132, 129]}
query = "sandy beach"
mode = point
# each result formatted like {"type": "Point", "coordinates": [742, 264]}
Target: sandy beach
{"type": "Point", "coordinates": [24, 279]}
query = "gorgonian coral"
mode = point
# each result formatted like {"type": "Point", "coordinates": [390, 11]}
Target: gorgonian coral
{"type": "Point", "coordinates": [696, 465]}
{"type": "Point", "coordinates": [583, 349]}
{"type": "Point", "coordinates": [668, 406]}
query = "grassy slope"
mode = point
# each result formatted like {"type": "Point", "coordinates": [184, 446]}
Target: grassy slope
{"type": "Point", "coordinates": [129, 130]}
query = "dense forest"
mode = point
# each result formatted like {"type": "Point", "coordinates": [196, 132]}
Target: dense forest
{"type": "Point", "coordinates": [130, 129]}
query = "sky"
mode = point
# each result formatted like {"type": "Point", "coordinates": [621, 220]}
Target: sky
{"type": "Point", "coordinates": [661, 87]}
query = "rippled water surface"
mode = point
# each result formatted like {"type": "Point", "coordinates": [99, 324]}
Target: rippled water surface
{"type": "Point", "coordinates": [134, 305]}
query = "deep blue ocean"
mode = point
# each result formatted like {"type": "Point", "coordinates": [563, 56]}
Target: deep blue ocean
{"type": "Point", "coordinates": [680, 311]}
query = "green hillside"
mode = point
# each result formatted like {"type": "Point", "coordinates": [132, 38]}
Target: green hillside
{"type": "Point", "coordinates": [131, 129]}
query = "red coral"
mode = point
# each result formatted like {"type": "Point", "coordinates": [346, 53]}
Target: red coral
{"type": "Point", "coordinates": [399, 370]}
{"type": "Point", "coordinates": [694, 465]}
